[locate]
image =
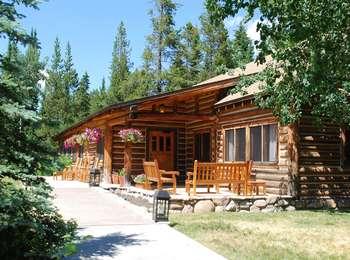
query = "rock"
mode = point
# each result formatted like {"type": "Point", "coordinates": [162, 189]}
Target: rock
{"type": "Point", "coordinates": [282, 203]}
{"type": "Point", "coordinates": [254, 208]}
{"type": "Point", "coordinates": [260, 203]}
{"type": "Point", "coordinates": [232, 206]}
{"type": "Point", "coordinates": [219, 209]}
{"type": "Point", "coordinates": [204, 206]}
{"type": "Point", "coordinates": [176, 206]}
{"type": "Point", "coordinates": [187, 209]}
{"type": "Point", "coordinates": [314, 204]}
{"type": "Point", "coordinates": [300, 204]}
{"type": "Point", "coordinates": [330, 203]}
{"type": "Point", "coordinates": [269, 209]}
{"type": "Point", "coordinates": [243, 211]}
{"type": "Point", "coordinates": [344, 203]}
{"type": "Point", "coordinates": [271, 199]}
{"type": "Point", "coordinates": [290, 208]}
{"type": "Point", "coordinates": [221, 201]}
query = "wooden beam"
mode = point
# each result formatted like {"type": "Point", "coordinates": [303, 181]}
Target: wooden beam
{"type": "Point", "coordinates": [175, 116]}
{"type": "Point", "coordinates": [107, 160]}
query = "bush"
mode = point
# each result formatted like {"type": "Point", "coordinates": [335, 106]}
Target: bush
{"type": "Point", "coordinates": [30, 226]}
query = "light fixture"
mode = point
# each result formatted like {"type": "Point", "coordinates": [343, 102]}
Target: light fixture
{"type": "Point", "coordinates": [161, 108]}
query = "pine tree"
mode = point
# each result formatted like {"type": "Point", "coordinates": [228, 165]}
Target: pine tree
{"type": "Point", "coordinates": [161, 41]}
{"type": "Point", "coordinates": [242, 47]}
{"type": "Point", "coordinates": [31, 65]}
{"type": "Point", "coordinates": [121, 64]}
{"type": "Point", "coordinates": [56, 97]}
{"type": "Point", "coordinates": [186, 61]}
{"type": "Point", "coordinates": [82, 98]}
{"type": "Point", "coordinates": [98, 98]}
{"type": "Point", "coordinates": [216, 49]}
{"type": "Point", "coordinates": [70, 82]}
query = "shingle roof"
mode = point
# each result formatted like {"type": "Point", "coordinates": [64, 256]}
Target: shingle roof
{"type": "Point", "coordinates": [249, 91]}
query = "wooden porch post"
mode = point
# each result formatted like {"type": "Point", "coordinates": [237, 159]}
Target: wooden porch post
{"type": "Point", "coordinates": [107, 162]}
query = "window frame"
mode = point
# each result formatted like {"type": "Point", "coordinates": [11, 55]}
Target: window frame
{"type": "Point", "coordinates": [247, 142]}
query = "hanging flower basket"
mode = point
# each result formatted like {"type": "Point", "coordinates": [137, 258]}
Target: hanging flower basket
{"type": "Point", "coordinates": [130, 135]}
{"type": "Point", "coordinates": [82, 139]}
{"type": "Point", "coordinates": [91, 135]}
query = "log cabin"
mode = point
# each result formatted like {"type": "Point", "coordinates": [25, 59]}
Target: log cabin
{"type": "Point", "coordinates": [205, 122]}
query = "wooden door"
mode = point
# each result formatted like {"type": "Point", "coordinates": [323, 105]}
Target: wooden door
{"type": "Point", "coordinates": [161, 148]}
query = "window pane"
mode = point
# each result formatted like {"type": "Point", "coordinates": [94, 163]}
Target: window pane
{"type": "Point", "coordinates": [240, 144]}
{"type": "Point", "coordinates": [270, 143]}
{"type": "Point", "coordinates": [255, 143]}
{"type": "Point", "coordinates": [229, 141]}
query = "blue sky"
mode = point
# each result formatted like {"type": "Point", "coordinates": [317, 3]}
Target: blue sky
{"type": "Point", "coordinates": [90, 27]}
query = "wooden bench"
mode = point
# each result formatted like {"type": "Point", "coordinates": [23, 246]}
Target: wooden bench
{"type": "Point", "coordinates": [154, 174]}
{"type": "Point", "coordinates": [216, 174]}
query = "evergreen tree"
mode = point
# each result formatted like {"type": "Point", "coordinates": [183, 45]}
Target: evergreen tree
{"type": "Point", "coordinates": [216, 49]}
{"type": "Point", "coordinates": [31, 228]}
{"type": "Point", "coordinates": [98, 98]}
{"type": "Point", "coordinates": [121, 64]}
{"type": "Point", "coordinates": [70, 82]}
{"type": "Point", "coordinates": [242, 47]}
{"type": "Point", "coordinates": [161, 41]}
{"type": "Point", "coordinates": [186, 63]}
{"type": "Point", "coordinates": [82, 98]}
{"type": "Point", "coordinates": [31, 65]}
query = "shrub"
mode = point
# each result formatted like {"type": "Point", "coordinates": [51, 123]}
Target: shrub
{"type": "Point", "coordinates": [30, 226]}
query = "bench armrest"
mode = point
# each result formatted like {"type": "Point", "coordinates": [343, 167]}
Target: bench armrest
{"type": "Point", "coordinates": [172, 173]}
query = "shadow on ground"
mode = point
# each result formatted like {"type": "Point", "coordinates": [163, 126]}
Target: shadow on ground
{"type": "Point", "coordinates": [105, 246]}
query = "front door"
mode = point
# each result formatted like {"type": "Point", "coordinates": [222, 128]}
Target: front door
{"type": "Point", "coordinates": [161, 148]}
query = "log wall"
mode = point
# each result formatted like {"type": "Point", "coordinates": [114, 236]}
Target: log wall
{"type": "Point", "coordinates": [320, 161]}
{"type": "Point", "coordinates": [246, 114]}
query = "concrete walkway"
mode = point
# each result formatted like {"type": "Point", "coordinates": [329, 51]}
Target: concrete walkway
{"type": "Point", "coordinates": [120, 230]}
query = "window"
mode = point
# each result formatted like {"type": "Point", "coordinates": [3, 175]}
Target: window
{"type": "Point", "coordinates": [269, 143]}
{"type": "Point", "coordinates": [262, 140]}
{"type": "Point", "coordinates": [202, 147]}
{"type": "Point", "coordinates": [100, 149]}
{"type": "Point", "coordinates": [263, 143]}
{"type": "Point", "coordinates": [235, 144]}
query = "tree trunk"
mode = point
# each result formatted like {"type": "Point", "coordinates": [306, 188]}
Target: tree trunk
{"type": "Point", "coordinates": [127, 160]}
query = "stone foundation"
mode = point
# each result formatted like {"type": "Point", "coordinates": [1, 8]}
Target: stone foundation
{"type": "Point", "coordinates": [210, 202]}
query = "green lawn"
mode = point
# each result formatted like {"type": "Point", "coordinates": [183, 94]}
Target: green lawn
{"type": "Point", "coordinates": [284, 235]}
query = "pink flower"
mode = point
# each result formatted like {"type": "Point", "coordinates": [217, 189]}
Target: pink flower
{"type": "Point", "coordinates": [130, 135]}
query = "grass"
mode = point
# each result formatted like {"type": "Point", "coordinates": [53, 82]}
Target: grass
{"type": "Point", "coordinates": [283, 235]}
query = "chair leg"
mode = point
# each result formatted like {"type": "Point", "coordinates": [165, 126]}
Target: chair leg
{"type": "Point", "coordinates": [174, 187]}
{"type": "Point", "coordinates": [217, 188]}
{"type": "Point", "coordinates": [208, 188]}
{"type": "Point", "coordinates": [188, 187]}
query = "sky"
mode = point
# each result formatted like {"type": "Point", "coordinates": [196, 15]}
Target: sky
{"type": "Point", "coordinates": [90, 27]}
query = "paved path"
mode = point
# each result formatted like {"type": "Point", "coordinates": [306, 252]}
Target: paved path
{"type": "Point", "coordinates": [119, 229]}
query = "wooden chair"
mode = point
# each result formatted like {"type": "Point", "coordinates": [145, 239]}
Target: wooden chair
{"type": "Point", "coordinates": [154, 174]}
{"type": "Point", "coordinates": [253, 186]}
